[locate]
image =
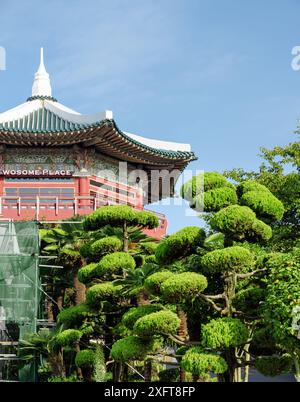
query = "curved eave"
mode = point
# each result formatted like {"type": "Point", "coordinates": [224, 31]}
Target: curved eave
{"type": "Point", "coordinates": [103, 135]}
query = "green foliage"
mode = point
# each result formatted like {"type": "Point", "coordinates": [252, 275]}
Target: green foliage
{"type": "Point", "coordinates": [282, 297]}
{"type": "Point", "coordinates": [183, 287]}
{"type": "Point", "coordinates": [86, 273]}
{"type": "Point", "coordinates": [153, 282]}
{"type": "Point", "coordinates": [116, 215]}
{"type": "Point", "coordinates": [148, 247]}
{"type": "Point", "coordinates": [73, 316]}
{"type": "Point", "coordinates": [240, 223]}
{"type": "Point", "coordinates": [106, 245]}
{"type": "Point", "coordinates": [68, 337]}
{"type": "Point", "coordinates": [133, 314]}
{"type": "Point", "coordinates": [199, 362]}
{"type": "Point", "coordinates": [139, 260]}
{"type": "Point", "coordinates": [216, 199]}
{"type": "Point", "coordinates": [251, 186]}
{"type": "Point", "coordinates": [207, 181]}
{"type": "Point", "coordinates": [102, 292]}
{"type": "Point", "coordinates": [160, 323]}
{"type": "Point", "coordinates": [249, 299]}
{"type": "Point", "coordinates": [85, 358]}
{"type": "Point", "coordinates": [223, 333]}
{"type": "Point", "coordinates": [264, 204]}
{"type": "Point", "coordinates": [150, 259]}
{"type": "Point", "coordinates": [131, 348]}
{"type": "Point", "coordinates": [272, 366]}
{"type": "Point", "coordinates": [71, 378]}
{"type": "Point", "coordinates": [180, 244]}
{"type": "Point", "coordinates": [115, 263]}
{"type": "Point", "coordinates": [231, 259]}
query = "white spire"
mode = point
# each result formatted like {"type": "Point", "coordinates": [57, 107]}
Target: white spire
{"type": "Point", "coordinates": [41, 84]}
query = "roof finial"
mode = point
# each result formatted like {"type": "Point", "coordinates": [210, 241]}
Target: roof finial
{"type": "Point", "coordinates": [41, 84]}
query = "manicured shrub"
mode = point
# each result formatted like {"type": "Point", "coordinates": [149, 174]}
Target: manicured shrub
{"type": "Point", "coordinates": [259, 231]}
{"type": "Point", "coordinates": [240, 223]}
{"type": "Point", "coordinates": [102, 292]}
{"type": "Point", "coordinates": [68, 337]}
{"type": "Point", "coordinates": [251, 185]}
{"type": "Point", "coordinates": [219, 198]}
{"type": "Point", "coordinates": [148, 247]}
{"type": "Point", "coordinates": [272, 366]}
{"type": "Point", "coordinates": [223, 333]}
{"type": "Point", "coordinates": [199, 362]}
{"type": "Point", "coordinates": [183, 287]}
{"type": "Point", "coordinates": [86, 273]}
{"type": "Point", "coordinates": [161, 323]}
{"type": "Point", "coordinates": [85, 250]}
{"type": "Point", "coordinates": [73, 316]}
{"type": "Point", "coordinates": [264, 204]}
{"type": "Point", "coordinates": [116, 215]}
{"type": "Point", "coordinates": [85, 358]}
{"type": "Point", "coordinates": [115, 263]}
{"type": "Point", "coordinates": [131, 348]}
{"type": "Point", "coordinates": [133, 314]}
{"type": "Point", "coordinates": [180, 244]}
{"type": "Point", "coordinates": [207, 181]}
{"type": "Point", "coordinates": [153, 282]}
{"type": "Point", "coordinates": [236, 259]}
{"type": "Point", "coordinates": [107, 245]}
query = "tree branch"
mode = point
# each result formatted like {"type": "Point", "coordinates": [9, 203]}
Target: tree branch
{"type": "Point", "coordinates": [209, 300]}
{"type": "Point", "coordinates": [243, 276]}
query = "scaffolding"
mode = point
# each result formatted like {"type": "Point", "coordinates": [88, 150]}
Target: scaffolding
{"type": "Point", "coordinates": [19, 292]}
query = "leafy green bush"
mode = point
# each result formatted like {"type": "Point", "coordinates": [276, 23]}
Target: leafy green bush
{"type": "Point", "coordinates": [86, 273]}
{"type": "Point", "coordinates": [115, 263]}
{"type": "Point", "coordinates": [133, 314]}
{"type": "Point", "coordinates": [73, 316]}
{"type": "Point", "coordinates": [106, 245]}
{"type": "Point", "coordinates": [85, 358]}
{"type": "Point", "coordinates": [102, 292]}
{"type": "Point", "coordinates": [131, 348]}
{"type": "Point", "coordinates": [240, 223]}
{"type": "Point", "coordinates": [207, 181]}
{"type": "Point", "coordinates": [223, 333]}
{"type": "Point", "coordinates": [264, 204]}
{"type": "Point", "coordinates": [219, 198]}
{"type": "Point", "coordinates": [272, 366]}
{"type": "Point", "coordinates": [148, 247]}
{"type": "Point", "coordinates": [153, 282]}
{"type": "Point", "coordinates": [160, 323]}
{"type": "Point", "coordinates": [251, 185]}
{"type": "Point", "coordinates": [236, 259]}
{"type": "Point", "coordinates": [150, 259]}
{"type": "Point", "coordinates": [183, 287]}
{"type": "Point", "coordinates": [199, 362]}
{"type": "Point", "coordinates": [68, 337]}
{"type": "Point", "coordinates": [116, 215]}
{"type": "Point", "coordinates": [184, 242]}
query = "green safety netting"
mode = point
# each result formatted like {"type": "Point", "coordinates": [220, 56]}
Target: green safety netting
{"type": "Point", "coordinates": [19, 284]}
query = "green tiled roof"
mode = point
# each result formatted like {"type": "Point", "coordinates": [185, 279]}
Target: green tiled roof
{"type": "Point", "coordinates": [45, 122]}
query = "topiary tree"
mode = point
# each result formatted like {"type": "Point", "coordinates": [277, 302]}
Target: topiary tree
{"type": "Point", "coordinates": [85, 360]}
{"type": "Point", "coordinates": [182, 243]}
{"type": "Point", "coordinates": [202, 364]}
{"type": "Point", "coordinates": [239, 217]}
{"type": "Point", "coordinates": [163, 322]}
{"type": "Point", "coordinates": [120, 216]}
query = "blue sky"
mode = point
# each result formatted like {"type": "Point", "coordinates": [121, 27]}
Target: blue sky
{"type": "Point", "coordinates": [214, 73]}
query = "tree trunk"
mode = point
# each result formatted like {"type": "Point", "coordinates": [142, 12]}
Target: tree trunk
{"type": "Point", "coordinates": [183, 329]}
{"type": "Point", "coordinates": [148, 371]}
{"type": "Point", "coordinates": [79, 290]}
{"type": "Point", "coordinates": [125, 237]}
{"type": "Point", "coordinates": [78, 369]}
{"type": "Point", "coordinates": [229, 290]}
{"type": "Point", "coordinates": [142, 298]}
